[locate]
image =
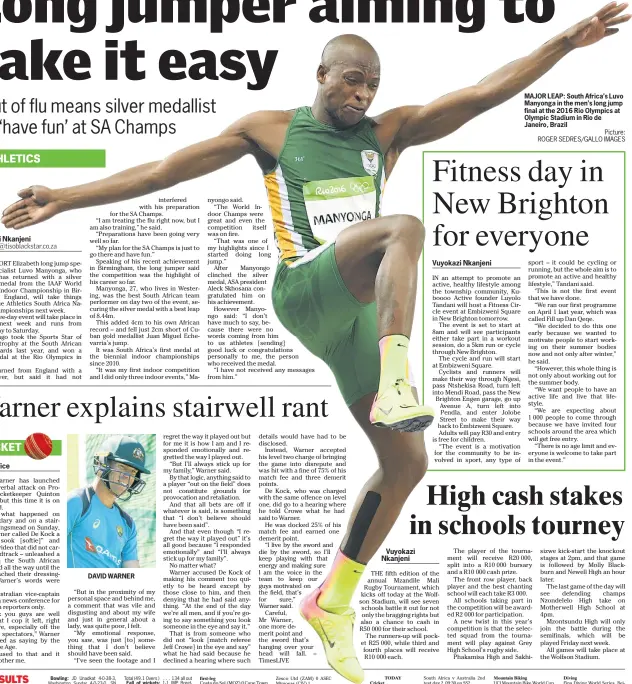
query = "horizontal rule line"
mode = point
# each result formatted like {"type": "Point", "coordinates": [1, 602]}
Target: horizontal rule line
{"type": "Point", "coordinates": [172, 386]}
{"type": "Point", "coordinates": [326, 669]}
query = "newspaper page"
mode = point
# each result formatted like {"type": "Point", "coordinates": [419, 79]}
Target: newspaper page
{"type": "Point", "coordinates": [312, 341]}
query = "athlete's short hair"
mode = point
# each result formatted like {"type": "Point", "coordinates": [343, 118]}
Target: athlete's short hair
{"type": "Point", "coordinates": [347, 45]}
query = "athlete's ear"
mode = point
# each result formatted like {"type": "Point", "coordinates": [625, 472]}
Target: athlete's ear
{"type": "Point", "coordinates": [321, 74]}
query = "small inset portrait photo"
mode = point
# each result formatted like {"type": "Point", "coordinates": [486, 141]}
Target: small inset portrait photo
{"type": "Point", "coordinates": [112, 502]}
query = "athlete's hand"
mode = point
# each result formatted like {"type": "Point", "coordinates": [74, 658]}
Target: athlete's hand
{"type": "Point", "coordinates": [37, 205]}
{"type": "Point", "coordinates": [598, 26]}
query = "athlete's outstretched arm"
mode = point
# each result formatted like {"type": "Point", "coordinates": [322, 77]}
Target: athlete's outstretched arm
{"type": "Point", "coordinates": [418, 125]}
{"type": "Point", "coordinates": [39, 203]}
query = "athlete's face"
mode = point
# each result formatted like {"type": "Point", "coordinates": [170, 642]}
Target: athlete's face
{"type": "Point", "coordinates": [348, 89]}
{"type": "Point", "coordinates": [121, 477]}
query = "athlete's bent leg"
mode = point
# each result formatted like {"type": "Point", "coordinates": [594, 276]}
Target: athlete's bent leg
{"type": "Point", "coordinates": [402, 464]}
{"type": "Point", "coordinates": [378, 261]}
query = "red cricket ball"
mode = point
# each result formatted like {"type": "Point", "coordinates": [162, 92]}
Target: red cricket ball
{"type": "Point", "coordinates": [38, 445]}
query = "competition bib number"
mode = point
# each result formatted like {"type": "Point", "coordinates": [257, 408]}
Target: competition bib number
{"type": "Point", "coordinates": [332, 205]}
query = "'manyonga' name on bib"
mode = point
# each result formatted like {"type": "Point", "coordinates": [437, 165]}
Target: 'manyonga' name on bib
{"type": "Point", "coordinates": [339, 217]}
{"type": "Point", "coordinates": [338, 203]}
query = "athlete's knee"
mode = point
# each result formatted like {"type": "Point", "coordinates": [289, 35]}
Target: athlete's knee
{"type": "Point", "coordinates": [417, 466]}
{"type": "Point", "coordinates": [407, 470]}
{"type": "Point", "coordinates": [408, 229]}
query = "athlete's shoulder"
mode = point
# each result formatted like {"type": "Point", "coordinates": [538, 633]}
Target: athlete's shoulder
{"type": "Point", "coordinates": [265, 132]}
{"type": "Point", "coordinates": [126, 517]}
{"type": "Point", "coordinates": [396, 116]}
{"type": "Point", "coordinates": [274, 116]}
{"type": "Point", "coordinates": [76, 495]}
{"type": "Point", "coordinates": [386, 126]}
{"type": "Point", "coordinates": [75, 506]}
{"type": "Point", "coordinates": [260, 120]}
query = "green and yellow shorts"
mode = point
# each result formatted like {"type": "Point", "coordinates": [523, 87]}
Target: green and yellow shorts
{"type": "Point", "coordinates": [313, 303]}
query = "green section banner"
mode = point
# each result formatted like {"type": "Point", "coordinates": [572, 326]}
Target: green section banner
{"type": "Point", "coordinates": [52, 159]}
{"type": "Point", "coordinates": [15, 447]}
